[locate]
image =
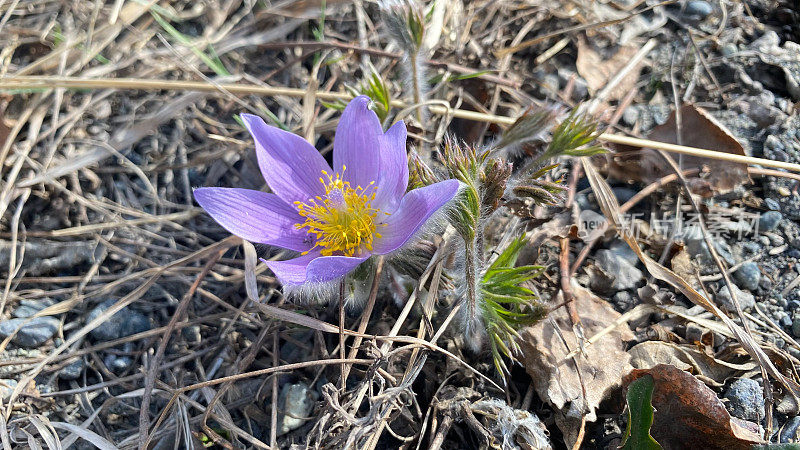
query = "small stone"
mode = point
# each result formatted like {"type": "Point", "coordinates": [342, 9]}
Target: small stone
{"type": "Point", "coordinates": [769, 220]}
{"type": "Point", "coordinates": [7, 387]}
{"type": "Point", "coordinates": [746, 299]}
{"type": "Point", "coordinates": [793, 253]}
{"type": "Point", "coordinates": [729, 49]}
{"type": "Point", "coordinates": [796, 327]}
{"type": "Point", "coordinates": [784, 191]}
{"type": "Point", "coordinates": [33, 332]}
{"type": "Point", "coordinates": [192, 334]}
{"type": "Point", "coordinates": [748, 276]}
{"type": "Point", "coordinates": [116, 363]}
{"type": "Point", "coordinates": [73, 370]}
{"type": "Point", "coordinates": [792, 305]}
{"type": "Point", "coordinates": [622, 249]}
{"type": "Point", "coordinates": [694, 332]}
{"type": "Point", "coordinates": [746, 400]}
{"type": "Point", "coordinates": [124, 323]}
{"type": "Point", "coordinates": [623, 300]}
{"type": "Point", "coordinates": [785, 321]}
{"type": "Point", "coordinates": [789, 430]}
{"type": "Point", "coordinates": [620, 274]}
{"type": "Point", "coordinates": [296, 402]}
{"type": "Point", "coordinates": [28, 308]}
{"type": "Point", "coordinates": [772, 204]}
{"type": "Point", "coordinates": [630, 116]}
{"type": "Point", "coordinates": [623, 194]}
{"type": "Point", "coordinates": [698, 8]}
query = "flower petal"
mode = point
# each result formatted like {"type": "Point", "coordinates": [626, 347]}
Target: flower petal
{"type": "Point", "coordinates": [255, 216]}
{"type": "Point", "coordinates": [414, 210]}
{"type": "Point", "coordinates": [290, 165]}
{"type": "Point", "coordinates": [313, 268]}
{"type": "Point", "coordinates": [357, 143]}
{"type": "Point", "coordinates": [393, 177]}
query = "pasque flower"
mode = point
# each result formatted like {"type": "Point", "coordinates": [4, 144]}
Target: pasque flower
{"type": "Point", "coordinates": [336, 218]}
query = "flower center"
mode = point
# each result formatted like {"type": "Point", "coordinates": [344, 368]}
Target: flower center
{"type": "Point", "coordinates": [343, 221]}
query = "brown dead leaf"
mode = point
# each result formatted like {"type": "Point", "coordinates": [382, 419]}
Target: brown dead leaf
{"type": "Point", "coordinates": [684, 266]}
{"type": "Point", "coordinates": [597, 71]}
{"type": "Point", "coordinates": [602, 367]}
{"type": "Point", "coordinates": [709, 370]}
{"type": "Point", "coordinates": [689, 414]}
{"type": "Point", "coordinates": [698, 129]}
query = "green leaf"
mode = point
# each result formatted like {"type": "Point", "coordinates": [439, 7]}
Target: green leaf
{"type": "Point", "coordinates": [640, 416]}
{"type": "Point", "coordinates": [212, 62]}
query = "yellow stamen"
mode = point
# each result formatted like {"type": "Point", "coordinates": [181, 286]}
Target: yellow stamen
{"type": "Point", "coordinates": [343, 222]}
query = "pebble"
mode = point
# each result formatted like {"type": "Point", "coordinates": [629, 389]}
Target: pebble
{"type": "Point", "coordinates": [746, 400]}
{"type": "Point", "coordinates": [124, 323]}
{"type": "Point", "coordinates": [796, 327]}
{"type": "Point", "coordinates": [729, 49]}
{"type": "Point", "coordinates": [117, 363]}
{"type": "Point", "coordinates": [33, 333]}
{"type": "Point", "coordinates": [622, 273]}
{"type": "Point", "coordinates": [28, 308]}
{"type": "Point", "coordinates": [7, 387]}
{"type": "Point", "coordinates": [698, 8]}
{"type": "Point", "coordinates": [296, 402]}
{"type": "Point", "coordinates": [772, 204]}
{"type": "Point", "coordinates": [789, 430]}
{"type": "Point", "coordinates": [769, 220]}
{"type": "Point", "coordinates": [73, 370]}
{"type": "Point", "coordinates": [785, 320]}
{"type": "Point", "coordinates": [624, 300]}
{"type": "Point", "coordinates": [622, 249]}
{"type": "Point", "coordinates": [792, 305]}
{"type": "Point", "coordinates": [630, 116]}
{"type": "Point", "coordinates": [784, 191]}
{"type": "Point", "coordinates": [746, 299]}
{"type": "Point", "coordinates": [748, 276]}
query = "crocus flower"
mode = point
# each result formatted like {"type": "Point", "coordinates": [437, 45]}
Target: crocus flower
{"type": "Point", "coordinates": [336, 218]}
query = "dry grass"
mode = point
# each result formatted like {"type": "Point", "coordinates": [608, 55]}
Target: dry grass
{"type": "Point", "coordinates": [111, 112]}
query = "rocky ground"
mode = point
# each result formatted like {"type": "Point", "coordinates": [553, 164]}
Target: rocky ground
{"type": "Point", "coordinates": [125, 311]}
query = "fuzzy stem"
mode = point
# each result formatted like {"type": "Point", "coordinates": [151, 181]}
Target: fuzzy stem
{"type": "Point", "coordinates": [470, 263]}
{"type": "Point", "coordinates": [415, 87]}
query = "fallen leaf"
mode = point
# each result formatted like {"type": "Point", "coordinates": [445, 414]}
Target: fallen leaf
{"type": "Point", "coordinates": [708, 369]}
{"type": "Point", "coordinates": [602, 367]}
{"type": "Point", "coordinates": [698, 129]}
{"type": "Point", "coordinates": [689, 414]}
{"type": "Point", "coordinates": [598, 71]}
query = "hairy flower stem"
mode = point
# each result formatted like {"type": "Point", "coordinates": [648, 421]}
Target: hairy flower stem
{"type": "Point", "coordinates": [471, 270]}
{"type": "Point", "coordinates": [415, 87]}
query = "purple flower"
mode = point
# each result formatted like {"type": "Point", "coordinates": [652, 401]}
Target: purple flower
{"type": "Point", "coordinates": [336, 218]}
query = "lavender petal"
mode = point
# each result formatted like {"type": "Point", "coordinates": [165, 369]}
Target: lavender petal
{"type": "Point", "coordinates": [393, 177]}
{"type": "Point", "coordinates": [290, 165]}
{"type": "Point", "coordinates": [414, 210]}
{"type": "Point", "coordinates": [357, 143]}
{"type": "Point", "coordinates": [313, 268]}
{"type": "Point", "coordinates": [255, 216]}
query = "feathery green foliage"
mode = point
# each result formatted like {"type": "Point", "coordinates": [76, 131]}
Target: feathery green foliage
{"type": "Point", "coordinates": [574, 137]}
{"type": "Point", "coordinates": [506, 304]}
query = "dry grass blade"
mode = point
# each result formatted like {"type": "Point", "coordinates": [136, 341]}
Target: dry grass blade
{"type": "Point", "coordinates": [610, 207]}
{"type": "Point", "coordinates": [436, 108]}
